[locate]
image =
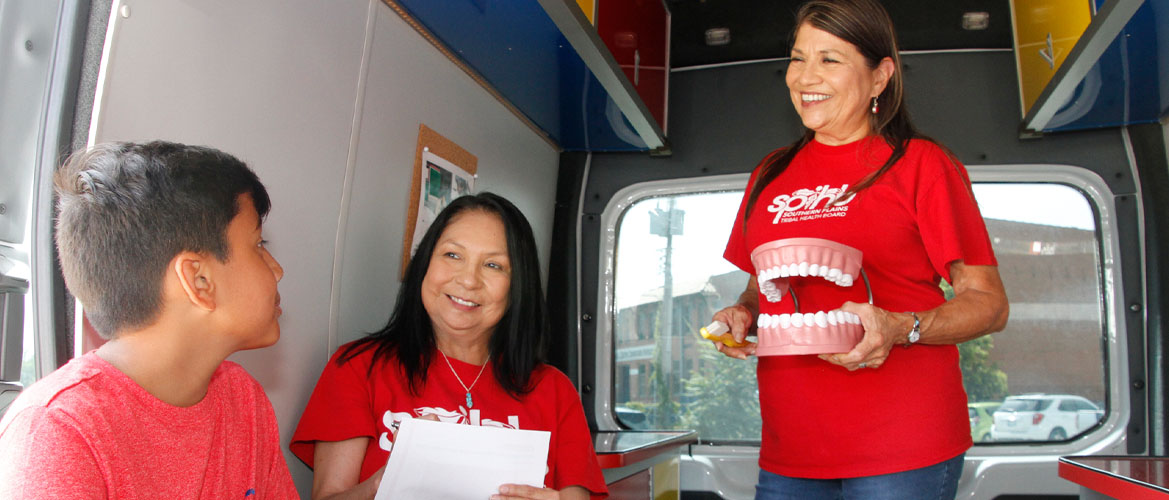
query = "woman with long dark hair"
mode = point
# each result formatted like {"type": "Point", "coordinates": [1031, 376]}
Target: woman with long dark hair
{"type": "Point", "coordinates": [860, 393]}
{"type": "Point", "coordinates": [463, 344]}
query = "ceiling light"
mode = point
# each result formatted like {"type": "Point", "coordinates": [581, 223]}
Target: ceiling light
{"type": "Point", "coordinates": [718, 36]}
{"type": "Point", "coordinates": [974, 21]}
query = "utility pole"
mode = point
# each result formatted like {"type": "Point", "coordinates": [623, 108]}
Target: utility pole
{"type": "Point", "coordinates": [667, 223]}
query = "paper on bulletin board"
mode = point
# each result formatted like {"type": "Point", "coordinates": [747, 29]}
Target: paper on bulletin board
{"type": "Point", "coordinates": [442, 182]}
{"type": "Point", "coordinates": [455, 461]}
{"type": "Point", "coordinates": [441, 157]}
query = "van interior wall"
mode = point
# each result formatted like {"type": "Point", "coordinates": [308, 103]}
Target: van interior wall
{"type": "Point", "coordinates": [1151, 153]}
{"type": "Point", "coordinates": [726, 119]}
{"type": "Point", "coordinates": [324, 101]}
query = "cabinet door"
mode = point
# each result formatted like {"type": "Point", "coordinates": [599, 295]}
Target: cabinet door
{"type": "Point", "coordinates": [637, 32]}
{"type": "Point", "coordinates": [636, 487]}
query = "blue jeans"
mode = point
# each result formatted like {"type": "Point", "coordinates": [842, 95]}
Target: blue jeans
{"type": "Point", "coordinates": [934, 482]}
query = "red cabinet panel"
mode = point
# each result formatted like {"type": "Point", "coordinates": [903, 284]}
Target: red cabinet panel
{"type": "Point", "coordinates": [637, 32]}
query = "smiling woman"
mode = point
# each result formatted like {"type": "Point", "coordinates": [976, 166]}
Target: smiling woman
{"type": "Point", "coordinates": [472, 299]}
{"type": "Point", "coordinates": [899, 205]}
{"type": "Point", "coordinates": [833, 87]}
{"type": "Point", "coordinates": [466, 285]}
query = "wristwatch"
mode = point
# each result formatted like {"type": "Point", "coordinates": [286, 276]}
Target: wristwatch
{"type": "Point", "coordinates": [915, 333]}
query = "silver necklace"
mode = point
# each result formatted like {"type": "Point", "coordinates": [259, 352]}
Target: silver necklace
{"type": "Point", "coordinates": [470, 403]}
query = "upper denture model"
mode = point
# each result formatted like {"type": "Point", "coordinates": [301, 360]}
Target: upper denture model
{"type": "Point", "coordinates": [806, 333]}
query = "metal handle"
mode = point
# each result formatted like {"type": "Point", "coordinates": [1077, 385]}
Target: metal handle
{"type": "Point", "coordinates": [864, 277]}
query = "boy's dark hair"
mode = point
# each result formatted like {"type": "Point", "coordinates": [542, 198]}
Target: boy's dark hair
{"type": "Point", "coordinates": [518, 342]}
{"type": "Point", "coordinates": [125, 210]}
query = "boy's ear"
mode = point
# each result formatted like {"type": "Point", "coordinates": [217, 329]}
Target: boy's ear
{"type": "Point", "coordinates": [194, 275]}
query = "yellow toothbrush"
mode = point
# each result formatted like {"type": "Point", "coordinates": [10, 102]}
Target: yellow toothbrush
{"type": "Point", "coordinates": [720, 332]}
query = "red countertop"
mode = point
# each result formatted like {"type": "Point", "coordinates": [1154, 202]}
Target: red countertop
{"type": "Point", "coordinates": [620, 448]}
{"type": "Point", "coordinates": [1119, 476]}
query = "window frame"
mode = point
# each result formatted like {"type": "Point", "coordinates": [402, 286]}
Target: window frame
{"type": "Point", "coordinates": [1108, 436]}
{"type": "Point", "coordinates": [56, 34]}
{"type": "Point", "coordinates": [604, 411]}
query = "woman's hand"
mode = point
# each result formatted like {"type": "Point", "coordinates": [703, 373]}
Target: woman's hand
{"type": "Point", "coordinates": [979, 307]}
{"type": "Point", "coordinates": [883, 330]}
{"type": "Point", "coordinates": [524, 492]}
{"type": "Point", "coordinates": [739, 319]}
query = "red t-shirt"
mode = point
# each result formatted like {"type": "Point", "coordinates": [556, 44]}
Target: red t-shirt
{"type": "Point", "coordinates": [88, 431]}
{"type": "Point", "coordinates": [820, 420]}
{"type": "Point", "coordinates": [350, 402]}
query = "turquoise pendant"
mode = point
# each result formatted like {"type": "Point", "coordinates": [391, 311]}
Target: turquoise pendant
{"type": "Point", "coordinates": [469, 402]}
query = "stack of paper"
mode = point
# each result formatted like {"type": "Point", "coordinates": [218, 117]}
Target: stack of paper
{"type": "Point", "coordinates": [454, 461]}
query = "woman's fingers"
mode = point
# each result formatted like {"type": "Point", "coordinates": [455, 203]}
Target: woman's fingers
{"type": "Point", "coordinates": [525, 492]}
{"type": "Point", "coordinates": [865, 363]}
{"type": "Point", "coordinates": [735, 352]}
{"type": "Point", "coordinates": [738, 318]}
{"type": "Point", "coordinates": [881, 332]}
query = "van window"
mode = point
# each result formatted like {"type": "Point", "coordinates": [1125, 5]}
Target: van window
{"type": "Point", "coordinates": [1049, 252]}
{"type": "Point", "coordinates": [39, 87]}
{"type": "Point", "coordinates": [670, 277]}
{"type": "Point", "coordinates": [23, 84]}
{"type": "Point", "coordinates": [669, 258]}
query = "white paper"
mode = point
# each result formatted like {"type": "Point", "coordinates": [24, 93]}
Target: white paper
{"type": "Point", "coordinates": [455, 461]}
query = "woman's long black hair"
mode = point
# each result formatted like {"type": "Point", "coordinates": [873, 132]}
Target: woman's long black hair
{"type": "Point", "coordinates": [517, 344]}
{"type": "Point", "coordinates": [867, 26]}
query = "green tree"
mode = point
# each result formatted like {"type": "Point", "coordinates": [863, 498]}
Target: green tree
{"type": "Point", "coordinates": [28, 371]}
{"type": "Point", "coordinates": [723, 399]}
{"type": "Point", "coordinates": [984, 380]}
{"type": "Point", "coordinates": [664, 412]}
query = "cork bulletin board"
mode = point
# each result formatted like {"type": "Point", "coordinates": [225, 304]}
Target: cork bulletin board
{"type": "Point", "coordinates": [443, 171]}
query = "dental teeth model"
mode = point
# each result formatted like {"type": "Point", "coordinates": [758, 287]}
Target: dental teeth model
{"type": "Point", "coordinates": [806, 333]}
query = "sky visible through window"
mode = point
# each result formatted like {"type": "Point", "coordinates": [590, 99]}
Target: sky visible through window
{"type": "Point", "coordinates": [696, 253]}
{"type": "Point", "coordinates": [1047, 204]}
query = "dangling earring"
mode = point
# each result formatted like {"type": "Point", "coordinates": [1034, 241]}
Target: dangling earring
{"type": "Point", "coordinates": [875, 107]}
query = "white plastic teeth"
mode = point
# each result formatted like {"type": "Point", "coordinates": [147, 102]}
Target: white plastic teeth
{"type": "Point", "coordinates": [821, 319]}
{"type": "Point", "coordinates": [769, 290]}
{"type": "Point", "coordinates": [805, 269]}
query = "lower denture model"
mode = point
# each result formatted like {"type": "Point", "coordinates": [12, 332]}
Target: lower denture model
{"type": "Point", "coordinates": [806, 333]}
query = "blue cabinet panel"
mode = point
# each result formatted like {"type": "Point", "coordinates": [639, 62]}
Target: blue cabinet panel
{"type": "Point", "coordinates": [517, 48]}
{"type": "Point", "coordinates": [1130, 82]}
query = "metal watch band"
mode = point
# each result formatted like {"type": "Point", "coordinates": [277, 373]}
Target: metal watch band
{"type": "Point", "coordinates": [915, 333]}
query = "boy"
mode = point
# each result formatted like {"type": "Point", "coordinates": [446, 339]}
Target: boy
{"type": "Point", "coordinates": [161, 244]}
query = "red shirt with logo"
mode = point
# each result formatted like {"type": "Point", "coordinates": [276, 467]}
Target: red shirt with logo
{"type": "Point", "coordinates": [350, 401]}
{"type": "Point", "coordinates": [820, 420]}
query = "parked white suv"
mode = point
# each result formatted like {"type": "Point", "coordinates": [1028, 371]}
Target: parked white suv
{"type": "Point", "coordinates": [1043, 417]}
